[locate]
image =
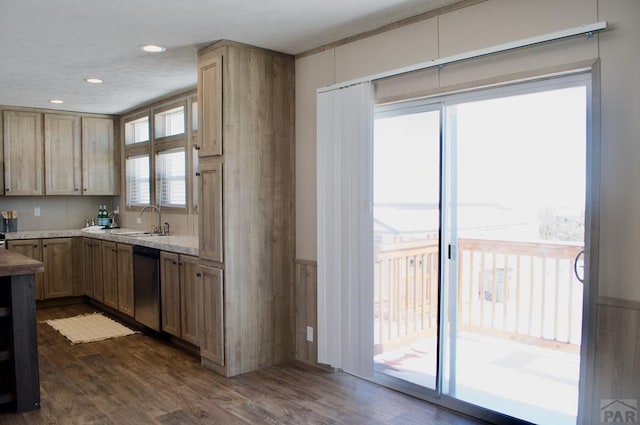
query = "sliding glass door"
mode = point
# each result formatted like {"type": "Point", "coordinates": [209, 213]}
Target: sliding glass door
{"type": "Point", "coordinates": [406, 214]}
{"type": "Point", "coordinates": [518, 211]}
{"type": "Point", "coordinates": [479, 210]}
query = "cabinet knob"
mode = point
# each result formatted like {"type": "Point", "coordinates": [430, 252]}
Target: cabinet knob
{"type": "Point", "coordinates": [76, 189]}
{"type": "Point", "coordinates": [196, 147]}
{"type": "Point", "coordinates": [7, 189]}
{"type": "Point", "coordinates": [85, 189]}
{"type": "Point", "coordinates": [197, 174]}
{"type": "Point", "coordinates": [180, 263]}
{"type": "Point", "coordinates": [175, 262]}
{"type": "Point", "coordinates": [199, 274]}
{"type": "Point", "coordinates": [35, 246]}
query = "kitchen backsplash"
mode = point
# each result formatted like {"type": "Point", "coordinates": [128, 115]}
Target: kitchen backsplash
{"type": "Point", "coordinates": [56, 212]}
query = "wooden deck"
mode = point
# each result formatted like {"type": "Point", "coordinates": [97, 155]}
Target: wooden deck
{"type": "Point", "coordinates": [516, 289]}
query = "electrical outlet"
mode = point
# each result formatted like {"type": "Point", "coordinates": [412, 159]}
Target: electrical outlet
{"type": "Point", "coordinates": [139, 220]}
{"type": "Point", "coordinates": [36, 211]}
{"type": "Point", "coordinates": [309, 334]}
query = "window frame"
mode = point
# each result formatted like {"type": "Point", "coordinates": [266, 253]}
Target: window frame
{"type": "Point", "coordinates": [157, 145]}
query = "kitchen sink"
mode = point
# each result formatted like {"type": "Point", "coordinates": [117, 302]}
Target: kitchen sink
{"type": "Point", "coordinates": [135, 234]}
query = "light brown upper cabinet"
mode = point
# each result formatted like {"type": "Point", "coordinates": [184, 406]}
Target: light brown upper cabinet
{"type": "Point", "coordinates": [210, 111]}
{"type": "Point", "coordinates": [23, 158]}
{"type": "Point", "coordinates": [99, 167]}
{"type": "Point", "coordinates": [62, 153]}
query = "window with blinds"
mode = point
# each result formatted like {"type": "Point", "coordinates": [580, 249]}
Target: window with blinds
{"type": "Point", "coordinates": [138, 181]}
{"type": "Point", "coordinates": [171, 178]}
{"type": "Point", "coordinates": [158, 144]}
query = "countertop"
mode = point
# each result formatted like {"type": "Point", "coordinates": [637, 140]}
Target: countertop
{"type": "Point", "coordinates": [14, 264]}
{"type": "Point", "coordinates": [173, 243]}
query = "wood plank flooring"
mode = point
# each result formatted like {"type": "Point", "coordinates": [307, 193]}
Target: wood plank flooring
{"type": "Point", "coordinates": [140, 380]}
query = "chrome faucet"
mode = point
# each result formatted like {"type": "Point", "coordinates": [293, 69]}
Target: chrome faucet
{"type": "Point", "coordinates": [158, 229]}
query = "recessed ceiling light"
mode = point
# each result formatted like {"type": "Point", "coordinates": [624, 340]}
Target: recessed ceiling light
{"type": "Point", "coordinates": [56, 101]}
{"type": "Point", "coordinates": [93, 80]}
{"type": "Point", "coordinates": [152, 48]}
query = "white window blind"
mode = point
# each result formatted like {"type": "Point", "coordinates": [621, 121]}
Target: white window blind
{"type": "Point", "coordinates": [345, 229]}
{"type": "Point", "coordinates": [171, 179]}
{"type": "Point", "coordinates": [138, 182]}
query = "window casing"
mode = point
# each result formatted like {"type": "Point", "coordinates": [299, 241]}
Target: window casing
{"type": "Point", "coordinates": [136, 131]}
{"type": "Point", "coordinates": [157, 155]}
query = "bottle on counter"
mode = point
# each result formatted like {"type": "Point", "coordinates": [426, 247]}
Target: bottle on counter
{"type": "Point", "coordinates": [101, 220]}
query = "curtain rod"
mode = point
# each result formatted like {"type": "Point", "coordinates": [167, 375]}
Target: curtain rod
{"type": "Point", "coordinates": [499, 48]}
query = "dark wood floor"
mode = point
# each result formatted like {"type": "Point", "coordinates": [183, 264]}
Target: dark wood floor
{"type": "Point", "coordinates": [140, 380]}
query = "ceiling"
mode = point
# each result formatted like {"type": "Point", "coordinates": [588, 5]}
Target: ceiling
{"type": "Point", "coordinates": [48, 48]}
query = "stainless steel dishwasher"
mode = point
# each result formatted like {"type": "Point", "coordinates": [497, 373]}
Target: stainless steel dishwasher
{"type": "Point", "coordinates": [146, 283]}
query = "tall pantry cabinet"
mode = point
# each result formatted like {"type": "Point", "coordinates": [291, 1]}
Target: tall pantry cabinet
{"type": "Point", "coordinates": [246, 208]}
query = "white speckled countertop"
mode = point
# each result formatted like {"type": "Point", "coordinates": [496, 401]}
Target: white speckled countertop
{"type": "Point", "coordinates": [180, 244]}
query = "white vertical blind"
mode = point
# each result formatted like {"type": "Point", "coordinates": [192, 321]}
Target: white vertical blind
{"type": "Point", "coordinates": [138, 183]}
{"type": "Point", "coordinates": [345, 228]}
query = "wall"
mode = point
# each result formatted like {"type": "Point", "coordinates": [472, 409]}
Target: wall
{"type": "Point", "coordinates": [486, 24]}
{"type": "Point", "coordinates": [179, 224]}
{"type": "Point", "coordinates": [56, 212]}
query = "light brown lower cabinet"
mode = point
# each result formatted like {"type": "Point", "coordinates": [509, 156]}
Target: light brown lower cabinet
{"type": "Point", "coordinates": [96, 269]}
{"type": "Point", "coordinates": [57, 256]}
{"type": "Point", "coordinates": [178, 295]}
{"type": "Point", "coordinates": [109, 273]}
{"type": "Point", "coordinates": [211, 314]}
{"type": "Point", "coordinates": [170, 293]}
{"type": "Point", "coordinates": [125, 279]}
{"type": "Point", "coordinates": [188, 298]}
{"type": "Point", "coordinates": [31, 248]}
{"type": "Point", "coordinates": [87, 266]}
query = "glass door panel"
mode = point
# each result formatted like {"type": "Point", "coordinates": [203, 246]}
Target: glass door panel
{"type": "Point", "coordinates": [518, 175]}
{"type": "Point", "coordinates": [406, 212]}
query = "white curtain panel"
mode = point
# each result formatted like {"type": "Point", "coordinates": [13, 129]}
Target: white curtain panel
{"type": "Point", "coordinates": [345, 228]}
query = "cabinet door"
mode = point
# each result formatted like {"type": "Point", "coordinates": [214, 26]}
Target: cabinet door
{"type": "Point", "coordinates": [96, 261]}
{"type": "Point", "coordinates": [210, 106]}
{"type": "Point", "coordinates": [62, 154]}
{"type": "Point", "coordinates": [188, 298]}
{"type": "Point", "coordinates": [23, 162]}
{"type": "Point", "coordinates": [109, 274]}
{"type": "Point", "coordinates": [58, 267]}
{"type": "Point", "coordinates": [211, 314]}
{"type": "Point", "coordinates": [99, 166]}
{"type": "Point", "coordinates": [31, 248]}
{"type": "Point", "coordinates": [210, 212]}
{"type": "Point", "coordinates": [170, 292]}
{"type": "Point", "coordinates": [125, 279]}
{"type": "Point", "coordinates": [87, 267]}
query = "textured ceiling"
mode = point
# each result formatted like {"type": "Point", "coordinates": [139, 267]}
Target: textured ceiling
{"type": "Point", "coordinates": [48, 47]}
